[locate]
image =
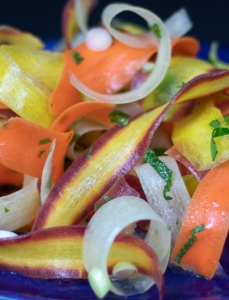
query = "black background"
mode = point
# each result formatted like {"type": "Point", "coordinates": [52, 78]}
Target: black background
{"type": "Point", "coordinates": [43, 17]}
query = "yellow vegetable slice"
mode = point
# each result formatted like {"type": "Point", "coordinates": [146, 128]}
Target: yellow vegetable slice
{"type": "Point", "coordinates": [12, 36]}
{"type": "Point", "coordinates": [44, 66]}
{"type": "Point", "coordinates": [194, 133]}
{"type": "Point", "coordinates": [21, 93]}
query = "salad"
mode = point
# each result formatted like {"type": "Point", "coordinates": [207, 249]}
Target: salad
{"type": "Point", "coordinates": [113, 152]}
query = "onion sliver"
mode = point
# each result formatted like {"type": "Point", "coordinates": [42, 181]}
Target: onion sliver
{"type": "Point", "coordinates": [178, 24]}
{"type": "Point", "coordinates": [161, 64]}
{"type": "Point", "coordinates": [107, 223]}
{"type": "Point", "coordinates": [19, 208]}
{"type": "Point", "coordinates": [46, 179]}
{"type": "Point", "coordinates": [85, 125]}
{"type": "Point", "coordinates": [81, 14]}
{"type": "Point", "coordinates": [171, 211]}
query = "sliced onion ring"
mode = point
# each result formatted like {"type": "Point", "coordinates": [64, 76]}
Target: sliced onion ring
{"type": "Point", "coordinates": [19, 208]}
{"type": "Point", "coordinates": [99, 238]}
{"type": "Point", "coordinates": [46, 179]}
{"type": "Point", "coordinates": [161, 64]}
{"type": "Point", "coordinates": [178, 24]}
{"type": "Point", "coordinates": [172, 212]}
{"type": "Point", "coordinates": [81, 15]}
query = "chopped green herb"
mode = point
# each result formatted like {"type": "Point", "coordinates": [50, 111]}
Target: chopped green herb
{"type": "Point", "coordinates": [78, 59]}
{"type": "Point", "coordinates": [6, 210]}
{"type": "Point", "coordinates": [159, 151]}
{"type": "Point", "coordinates": [119, 117]}
{"type": "Point", "coordinates": [182, 84]}
{"type": "Point", "coordinates": [157, 31]}
{"type": "Point", "coordinates": [99, 205]}
{"type": "Point", "coordinates": [45, 141]}
{"type": "Point", "coordinates": [49, 183]}
{"type": "Point", "coordinates": [106, 198]}
{"type": "Point", "coordinates": [75, 137]}
{"type": "Point", "coordinates": [41, 152]}
{"type": "Point", "coordinates": [217, 131]}
{"type": "Point", "coordinates": [215, 124]}
{"type": "Point", "coordinates": [226, 119]}
{"type": "Point", "coordinates": [161, 169]}
{"type": "Point", "coordinates": [189, 242]}
{"type": "Point", "coordinates": [169, 228]}
{"type": "Point", "coordinates": [89, 153]}
{"type": "Point", "coordinates": [70, 135]}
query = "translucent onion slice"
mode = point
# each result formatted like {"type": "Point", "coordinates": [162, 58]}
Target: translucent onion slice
{"type": "Point", "coordinates": [131, 109]}
{"type": "Point", "coordinates": [85, 125]}
{"type": "Point", "coordinates": [81, 14]}
{"type": "Point", "coordinates": [161, 64]}
{"type": "Point", "coordinates": [6, 234]}
{"type": "Point", "coordinates": [171, 211]}
{"type": "Point", "coordinates": [107, 223]}
{"type": "Point", "coordinates": [81, 127]}
{"type": "Point", "coordinates": [19, 208]}
{"type": "Point", "coordinates": [178, 24]}
{"type": "Point", "coordinates": [46, 179]}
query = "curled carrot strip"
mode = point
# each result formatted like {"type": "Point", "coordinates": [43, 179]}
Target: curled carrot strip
{"type": "Point", "coordinates": [65, 95]}
{"type": "Point", "coordinates": [185, 46]}
{"type": "Point", "coordinates": [71, 114]}
{"type": "Point", "coordinates": [9, 176]}
{"type": "Point", "coordinates": [24, 147]}
{"type": "Point", "coordinates": [209, 207]}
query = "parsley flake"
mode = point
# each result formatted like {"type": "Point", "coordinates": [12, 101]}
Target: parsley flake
{"type": "Point", "coordinates": [6, 210]}
{"type": "Point", "coordinates": [226, 119]}
{"type": "Point", "coordinates": [189, 242]}
{"type": "Point", "coordinates": [99, 205]}
{"type": "Point", "coordinates": [161, 170]}
{"type": "Point", "coordinates": [119, 117]}
{"type": "Point", "coordinates": [217, 131]}
{"type": "Point", "coordinates": [182, 84]}
{"type": "Point", "coordinates": [41, 152]}
{"type": "Point", "coordinates": [44, 141]}
{"type": "Point", "coordinates": [106, 198]}
{"type": "Point", "coordinates": [157, 31]}
{"type": "Point", "coordinates": [78, 59]}
{"type": "Point", "coordinates": [89, 153]}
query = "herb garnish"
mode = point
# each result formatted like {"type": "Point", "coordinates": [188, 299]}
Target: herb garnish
{"type": "Point", "coordinates": [6, 210]}
{"type": "Point", "coordinates": [106, 198]}
{"type": "Point", "coordinates": [182, 84]}
{"type": "Point", "coordinates": [189, 242]}
{"type": "Point", "coordinates": [157, 31]}
{"type": "Point", "coordinates": [217, 131]}
{"type": "Point", "coordinates": [44, 141]}
{"type": "Point", "coordinates": [78, 59]}
{"type": "Point", "coordinates": [41, 152]}
{"type": "Point", "coordinates": [226, 119]}
{"type": "Point", "coordinates": [89, 153]}
{"type": "Point", "coordinates": [161, 169]}
{"type": "Point", "coordinates": [119, 117]}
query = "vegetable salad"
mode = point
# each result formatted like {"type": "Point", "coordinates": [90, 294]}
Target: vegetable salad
{"type": "Point", "coordinates": [113, 152]}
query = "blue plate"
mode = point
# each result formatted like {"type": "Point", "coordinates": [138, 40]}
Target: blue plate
{"type": "Point", "coordinates": [177, 286]}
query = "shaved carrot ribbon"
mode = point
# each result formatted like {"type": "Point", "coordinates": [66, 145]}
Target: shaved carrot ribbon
{"type": "Point", "coordinates": [24, 147]}
{"type": "Point", "coordinates": [71, 114]}
{"type": "Point", "coordinates": [9, 176]}
{"type": "Point", "coordinates": [209, 206]}
{"type": "Point", "coordinates": [65, 95]}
